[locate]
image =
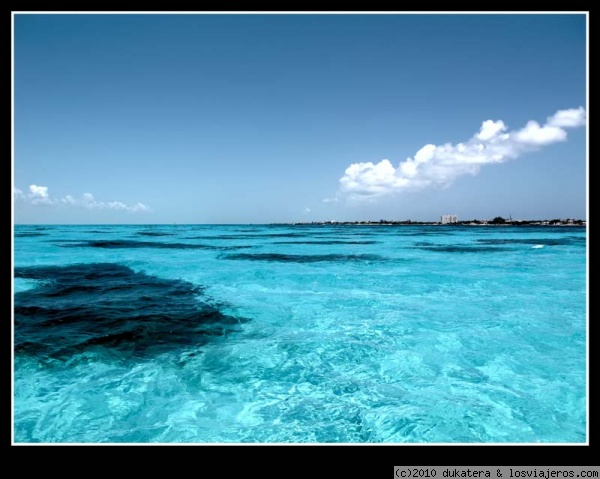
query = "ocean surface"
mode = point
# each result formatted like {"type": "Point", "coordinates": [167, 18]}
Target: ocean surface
{"type": "Point", "coordinates": [299, 334]}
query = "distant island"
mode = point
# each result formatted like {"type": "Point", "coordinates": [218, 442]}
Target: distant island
{"type": "Point", "coordinates": [497, 221]}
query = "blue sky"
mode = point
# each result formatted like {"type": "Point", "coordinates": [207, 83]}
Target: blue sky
{"type": "Point", "coordinates": [203, 118]}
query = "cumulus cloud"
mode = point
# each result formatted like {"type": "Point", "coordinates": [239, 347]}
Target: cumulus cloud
{"type": "Point", "coordinates": [490, 129]}
{"type": "Point", "coordinates": [439, 165]}
{"type": "Point", "coordinates": [568, 118]}
{"type": "Point", "coordinates": [535, 134]}
{"type": "Point", "coordinates": [39, 195]}
{"type": "Point", "coordinates": [38, 191]}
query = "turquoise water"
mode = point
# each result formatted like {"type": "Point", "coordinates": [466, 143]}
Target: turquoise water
{"type": "Point", "coordinates": [296, 334]}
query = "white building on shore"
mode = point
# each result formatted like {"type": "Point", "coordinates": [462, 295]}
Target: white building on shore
{"type": "Point", "coordinates": [445, 219]}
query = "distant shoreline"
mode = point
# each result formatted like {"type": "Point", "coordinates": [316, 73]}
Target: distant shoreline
{"type": "Point", "coordinates": [437, 223]}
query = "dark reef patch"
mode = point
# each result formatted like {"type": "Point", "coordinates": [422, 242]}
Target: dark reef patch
{"type": "Point", "coordinates": [249, 236]}
{"type": "Point", "coordinates": [25, 234]}
{"type": "Point", "coordinates": [217, 237]}
{"type": "Point", "coordinates": [545, 241]}
{"type": "Point", "coordinates": [463, 248]}
{"type": "Point", "coordinates": [425, 233]}
{"type": "Point", "coordinates": [325, 242]}
{"type": "Point", "coordinates": [123, 244]}
{"type": "Point", "coordinates": [153, 233]}
{"type": "Point", "coordinates": [84, 306]}
{"type": "Point", "coordinates": [304, 258]}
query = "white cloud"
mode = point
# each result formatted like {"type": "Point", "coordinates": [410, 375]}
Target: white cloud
{"type": "Point", "coordinates": [39, 195]}
{"type": "Point", "coordinates": [568, 118]}
{"type": "Point", "coordinates": [38, 191]}
{"type": "Point", "coordinates": [307, 210]}
{"type": "Point", "coordinates": [535, 134]}
{"type": "Point", "coordinates": [440, 165]}
{"type": "Point", "coordinates": [139, 207]}
{"type": "Point", "coordinates": [489, 129]}
{"type": "Point", "coordinates": [116, 205]}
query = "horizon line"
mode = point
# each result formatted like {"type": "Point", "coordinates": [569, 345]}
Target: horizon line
{"type": "Point", "coordinates": [305, 222]}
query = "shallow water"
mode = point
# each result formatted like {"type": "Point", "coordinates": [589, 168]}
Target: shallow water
{"type": "Point", "coordinates": [278, 334]}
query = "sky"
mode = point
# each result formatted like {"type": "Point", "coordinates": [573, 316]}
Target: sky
{"type": "Point", "coordinates": [267, 118]}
